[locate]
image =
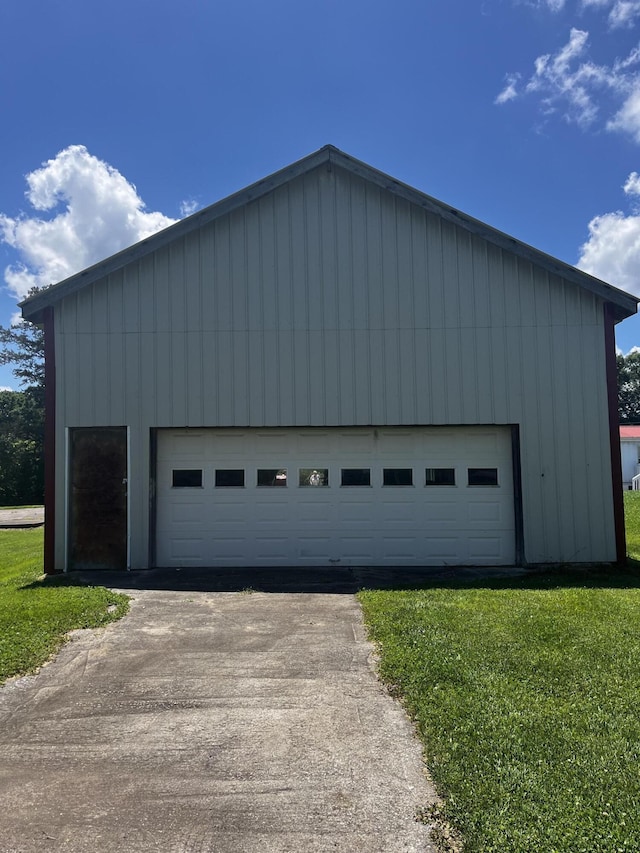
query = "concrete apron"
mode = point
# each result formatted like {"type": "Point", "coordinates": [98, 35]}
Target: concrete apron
{"type": "Point", "coordinates": [210, 721]}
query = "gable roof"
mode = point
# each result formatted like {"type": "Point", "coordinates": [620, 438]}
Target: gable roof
{"type": "Point", "coordinates": [624, 303]}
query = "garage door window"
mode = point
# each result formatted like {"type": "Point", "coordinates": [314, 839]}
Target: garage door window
{"type": "Point", "coordinates": [272, 477]}
{"type": "Point", "coordinates": [314, 477]}
{"type": "Point", "coordinates": [355, 477]}
{"type": "Point", "coordinates": [186, 478]}
{"type": "Point", "coordinates": [397, 477]}
{"type": "Point", "coordinates": [229, 477]}
{"type": "Point", "coordinates": [440, 477]}
{"type": "Point", "coordinates": [483, 476]}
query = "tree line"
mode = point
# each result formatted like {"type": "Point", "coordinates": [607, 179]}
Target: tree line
{"type": "Point", "coordinates": [22, 412]}
{"type": "Point", "coordinates": [22, 417]}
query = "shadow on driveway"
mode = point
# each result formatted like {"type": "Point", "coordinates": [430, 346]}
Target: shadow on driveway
{"type": "Point", "coordinates": [350, 580]}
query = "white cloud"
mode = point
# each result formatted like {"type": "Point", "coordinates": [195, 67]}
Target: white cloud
{"type": "Point", "coordinates": [188, 206]}
{"type": "Point", "coordinates": [627, 119]}
{"type": "Point", "coordinates": [569, 82]}
{"type": "Point", "coordinates": [624, 13]}
{"type": "Point", "coordinates": [632, 184]}
{"type": "Point", "coordinates": [621, 12]}
{"type": "Point", "coordinates": [612, 251]}
{"type": "Point", "coordinates": [510, 90]}
{"type": "Point", "coordinates": [96, 212]}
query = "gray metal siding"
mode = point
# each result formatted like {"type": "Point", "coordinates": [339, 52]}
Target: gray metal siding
{"type": "Point", "coordinates": [333, 302]}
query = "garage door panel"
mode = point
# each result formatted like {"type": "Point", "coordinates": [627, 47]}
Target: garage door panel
{"type": "Point", "coordinates": [355, 547]}
{"type": "Point", "coordinates": [484, 513]}
{"type": "Point", "coordinates": [183, 548]}
{"type": "Point", "coordinates": [400, 513]}
{"type": "Point", "coordinates": [399, 547]}
{"type": "Point", "coordinates": [323, 523]}
{"type": "Point", "coordinates": [271, 513]}
{"type": "Point", "coordinates": [446, 513]}
{"type": "Point", "coordinates": [315, 512]}
{"type": "Point", "coordinates": [355, 511]}
{"type": "Point", "coordinates": [188, 514]}
{"type": "Point", "coordinates": [445, 548]}
{"type": "Point", "coordinates": [229, 444]}
{"type": "Point", "coordinates": [355, 443]}
{"type": "Point", "coordinates": [485, 548]}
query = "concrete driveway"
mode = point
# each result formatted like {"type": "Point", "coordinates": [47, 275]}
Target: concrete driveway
{"type": "Point", "coordinates": [212, 721]}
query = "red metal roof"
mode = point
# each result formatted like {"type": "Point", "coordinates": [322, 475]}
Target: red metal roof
{"type": "Point", "coordinates": [630, 432]}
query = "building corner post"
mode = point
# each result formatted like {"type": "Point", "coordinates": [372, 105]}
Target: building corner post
{"type": "Point", "coordinates": [614, 432]}
{"type": "Point", "coordinates": [49, 441]}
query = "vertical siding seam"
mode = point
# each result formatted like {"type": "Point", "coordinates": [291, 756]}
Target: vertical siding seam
{"type": "Point", "coordinates": [92, 356]}
{"type": "Point", "coordinates": [367, 303]}
{"type": "Point", "coordinates": [556, 427]}
{"type": "Point", "coordinates": [277, 302]}
{"type": "Point", "coordinates": [108, 347]}
{"type": "Point", "coordinates": [456, 272]}
{"type": "Point", "coordinates": [581, 443]}
{"type": "Point", "coordinates": [586, 418]}
{"type": "Point", "coordinates": [230, 284]}
{"type": "Point", "coordinates": [215, 319]}
{"type": "Point", "coordinates": [474, 324]}
{"type": "Point", "coordinates": [247, 308]}
{"type": "Point", "coordinates": [262, 314]}
{"type": "Point", "coordinates": [428, 320]}
{"type": "Point", "coordinates": [383, 342]}
{"type": "Point", "coordinates": [321, 304]}
{"type": "Point", "coordinates": [414, 344]}
{"type": "Point", "coordinates": [201, 330]}
{"type": "Point", "coordinates": [184, 332]}
{"type": "Point", "coordinates": [490, 338]}
{"type": "Point", "coordinates": [542, 456]}
{"type": "Point", "coordinates": [292, 313]}
{"type": "Point", "coordinates": [307, 297]}
{"type": "Point", "coordinates": [353, 418]}
{"type": "Point", "coordinates": [399, 416]}
{"type": "Point", "coordinates": [443, 287]}
{"type": "Point", "coordinates": [336, 298]}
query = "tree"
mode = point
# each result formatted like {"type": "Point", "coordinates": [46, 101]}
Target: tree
{"type": "Point", "coordinates": [22, 416]}
{"type": "Point", "coordinates": [629, 387]}
{"type": "Point", "coordinates": [21, 447]}
{"type": "Point", "coordinates": [22, 345]}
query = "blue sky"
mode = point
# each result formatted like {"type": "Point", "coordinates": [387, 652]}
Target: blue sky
{"type": "Point", "coordinates": [120, 117]}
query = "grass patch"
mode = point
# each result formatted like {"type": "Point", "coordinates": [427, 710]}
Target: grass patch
{"type": "Point", "coordinates": [525, 693]}
{"type": "Point", "coordinates": [35, 615]}
{"type": "Point", "coordinates": [526, 700]}
{"type": "Point", "coordinates": [24, 506]}
{"type": "Point", "coordinates": [632, 523]}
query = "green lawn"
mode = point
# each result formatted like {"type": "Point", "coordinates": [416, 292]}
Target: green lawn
{"type": "Point", "coordinates": [36, 615]}
{"type": "Point", "coordinates": [526, 694]}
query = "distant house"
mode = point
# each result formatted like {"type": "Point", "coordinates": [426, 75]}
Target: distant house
{"type": "Point", "coordinates": [630, 453]}
{"type": "Point", "coordinates": [331, 368]}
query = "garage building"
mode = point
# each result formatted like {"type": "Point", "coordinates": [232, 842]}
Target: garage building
{"type": "Point", "coordinates": [331, 368]}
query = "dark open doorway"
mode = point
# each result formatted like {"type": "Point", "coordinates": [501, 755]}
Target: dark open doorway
{"type": "Point", "coordinates": [98, 498]}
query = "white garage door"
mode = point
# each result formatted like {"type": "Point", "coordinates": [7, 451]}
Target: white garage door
{"type": "Point", "coordinates": [345, 497]}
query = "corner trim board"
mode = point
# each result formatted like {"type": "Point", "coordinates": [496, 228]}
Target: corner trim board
{"type": "Point", "coordinates": [49, 441]}
{"type": "Point", "coordinates": [614, 431]}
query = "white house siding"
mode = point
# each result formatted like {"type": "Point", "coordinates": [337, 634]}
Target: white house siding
{"type": "Point", "coordinates": [331, 301]}
{"type": "Point", "coordinates": [630, 451]}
